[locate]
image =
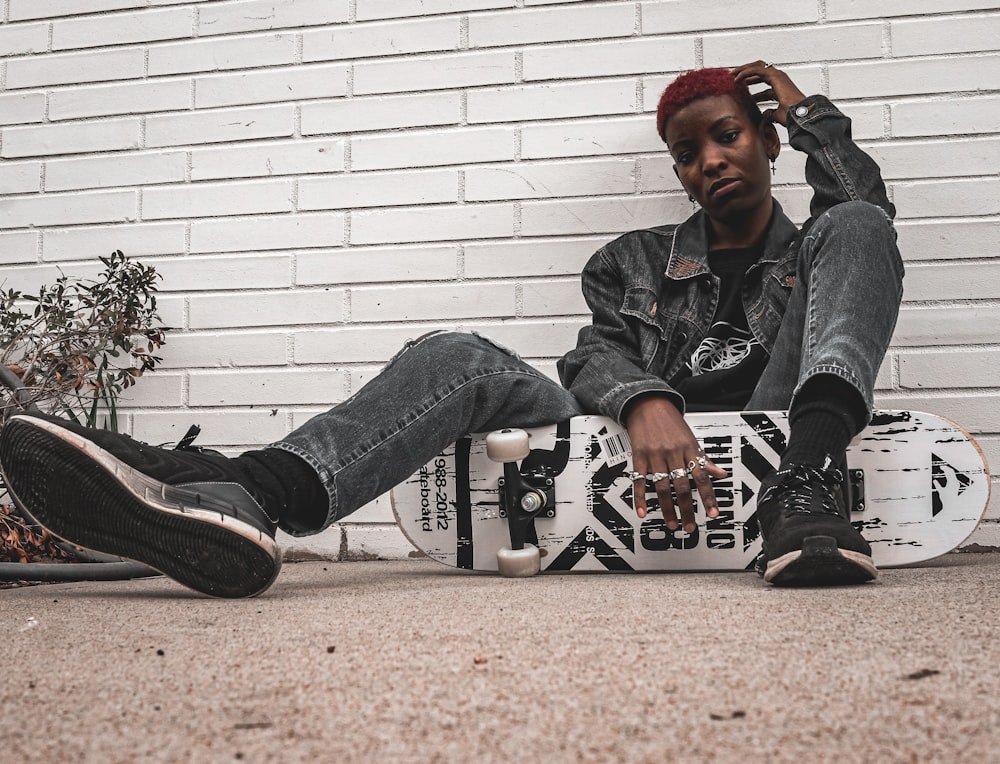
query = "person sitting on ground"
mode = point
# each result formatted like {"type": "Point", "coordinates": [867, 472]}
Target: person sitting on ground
{"type": "Point", "coordinates": [734, 308]}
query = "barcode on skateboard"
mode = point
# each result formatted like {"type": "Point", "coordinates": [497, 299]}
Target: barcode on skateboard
{"type": "Point", "coordinates": [617, 448]}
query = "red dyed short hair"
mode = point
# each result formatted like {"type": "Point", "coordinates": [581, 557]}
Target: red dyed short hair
{"type": "Point", "coordinates": [702, 83]}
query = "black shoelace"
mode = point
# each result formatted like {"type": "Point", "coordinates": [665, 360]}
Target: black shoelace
{"type": "Point", "coordinates": [805, 489]}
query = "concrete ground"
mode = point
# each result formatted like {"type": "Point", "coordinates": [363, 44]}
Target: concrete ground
{"type": "Point", "coordinates": [409, 661]}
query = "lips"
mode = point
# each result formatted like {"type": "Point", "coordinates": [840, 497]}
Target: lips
{"type": "Point", "coordinates": [721, 185]}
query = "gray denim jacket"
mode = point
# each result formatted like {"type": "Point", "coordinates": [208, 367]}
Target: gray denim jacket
{"type": "Point", "coordinates": [653, 296]}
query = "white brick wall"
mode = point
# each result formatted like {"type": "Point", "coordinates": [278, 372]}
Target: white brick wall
{"type": "Point", "coordinates": [318, 180]}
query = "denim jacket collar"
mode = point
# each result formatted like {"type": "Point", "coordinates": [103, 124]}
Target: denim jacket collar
{"type": "Point", "coordinates": [689, 246]}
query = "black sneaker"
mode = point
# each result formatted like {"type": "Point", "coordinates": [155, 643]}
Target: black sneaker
{"type": "Point", "coordinates": [808, 540]}
{"type": "Point", "coordinates": [187, 513]}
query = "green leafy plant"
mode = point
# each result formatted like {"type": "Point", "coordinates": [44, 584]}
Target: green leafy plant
{"type": "Point", "coordinates": [71, 349]}
{"type": "Point", "coordinates": [76, 345]}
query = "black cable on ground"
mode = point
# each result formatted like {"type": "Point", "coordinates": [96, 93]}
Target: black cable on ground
{"type": "Point", "coordinates": [64, 572]}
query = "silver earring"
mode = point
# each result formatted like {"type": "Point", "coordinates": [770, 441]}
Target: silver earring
{"type": "Point", "coordinates": [773, 169]}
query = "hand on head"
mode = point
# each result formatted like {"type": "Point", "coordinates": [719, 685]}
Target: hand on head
{"type": "Point", "coordinates": [780, 88]}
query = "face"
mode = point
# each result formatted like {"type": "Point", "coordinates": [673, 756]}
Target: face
{"type": "Point", "coordinates": [721, 158]}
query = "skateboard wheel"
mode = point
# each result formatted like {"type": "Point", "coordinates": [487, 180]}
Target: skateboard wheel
{"type": "Point", "coordinates": [507, 445]}
{"type": "Point", "coordinates": [519, 563]}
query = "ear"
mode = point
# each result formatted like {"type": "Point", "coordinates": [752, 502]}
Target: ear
{"type": "Point", "coordinates": [772, 142]}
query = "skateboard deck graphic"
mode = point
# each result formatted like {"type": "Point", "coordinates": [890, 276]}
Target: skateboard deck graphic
{"type": "Point", "coordinates": [920, 486]}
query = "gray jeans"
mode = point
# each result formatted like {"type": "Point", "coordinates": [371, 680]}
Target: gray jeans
{"type": "Point", "coordinates": [842, 310]}
{"type": "Point", "coordinates": [839, 320]}
{"type": "Point", "coordinates": [433, 392]}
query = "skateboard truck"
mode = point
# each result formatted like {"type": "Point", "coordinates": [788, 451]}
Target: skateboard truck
{"type": "Point", "coordinates": [521, 501]}
{"type": "Point", "coordinates": [856, 483]}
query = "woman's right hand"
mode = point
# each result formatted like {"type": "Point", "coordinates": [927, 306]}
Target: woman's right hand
{"type": "Point", "coordinates": [663, 443]}
{"type": "Point", "coordinates": [780, 88]}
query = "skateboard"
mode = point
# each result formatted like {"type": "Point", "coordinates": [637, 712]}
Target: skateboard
{"type": "Point", "coordinates": [559, 498]}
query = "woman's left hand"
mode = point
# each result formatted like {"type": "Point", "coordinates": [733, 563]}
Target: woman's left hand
{"type": "Point", "coordinates": [780, 88]}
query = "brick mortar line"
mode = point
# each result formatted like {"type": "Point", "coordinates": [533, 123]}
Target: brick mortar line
{"type": "Point", "coordinates": [297, 32]}
{"type": "Point", "coordinates": [822, 17]}
{"type": "Point", "coordinates": [74, 87]}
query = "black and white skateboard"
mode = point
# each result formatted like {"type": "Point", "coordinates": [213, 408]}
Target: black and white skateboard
{"type": "Point", "coordinates": [559, 498]}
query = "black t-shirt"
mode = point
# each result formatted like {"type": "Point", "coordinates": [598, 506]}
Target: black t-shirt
{"type": "Point", "coordinates": [723, 371]}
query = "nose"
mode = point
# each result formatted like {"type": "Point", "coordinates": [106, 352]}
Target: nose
{"type": "Point", "coordinates": [713, 159]}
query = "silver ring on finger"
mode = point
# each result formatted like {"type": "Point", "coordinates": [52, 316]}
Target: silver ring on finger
{"type": "Point", "coordinates": [678, 474]}
{"type": "Point", "coordinates": [656, 477]}
{"type": "Point", "coordinates": [702, 461]}
{"type": "Point", "coordinates": [768, 64]}
{"type": "Point", "coordinates": [633, 476]}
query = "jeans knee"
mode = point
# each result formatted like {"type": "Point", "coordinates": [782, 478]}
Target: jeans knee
{"type": "Point", "coordinates": [867, 229]}
{"type": "Point", "coordinates": [860, 216]}
{"type": "Point", "coordinates": [449, 349]}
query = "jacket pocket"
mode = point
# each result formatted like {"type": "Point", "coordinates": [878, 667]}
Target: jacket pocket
{"type": "Point", "coordinates": [657, 330]}
{"type": "Point", "coordinates": [776, 292]}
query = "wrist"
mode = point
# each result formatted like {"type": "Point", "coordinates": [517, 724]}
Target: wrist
{"type": "Point", "coordinates": [643, 405]}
